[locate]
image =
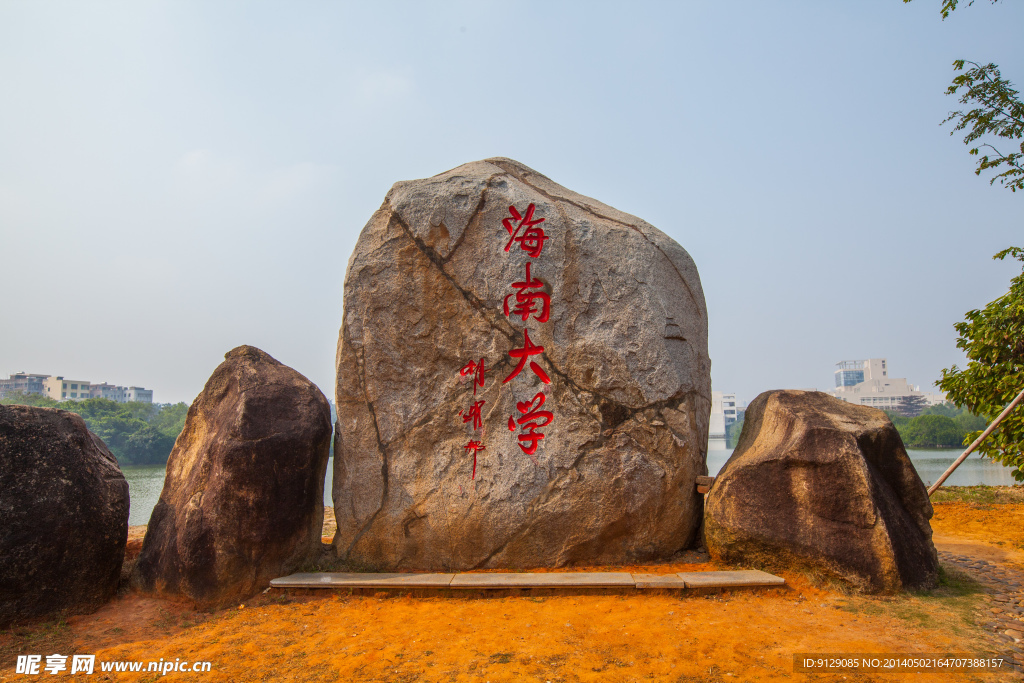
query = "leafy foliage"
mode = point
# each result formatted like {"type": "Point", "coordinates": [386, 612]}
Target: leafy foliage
{"type": "Point", "coordinates": [732, 431]}
{"type": "Point", "coordinates": [998, 112]}
{"type": "Point", "coordinates": [940, 426]}
{"type": "Point", "coordinates": [929, 431]}
{"type": "Point", "coordinates": [993, 339]}
{"type": "Point", "coordinates": [912, 406]}
{"type": "Point", "coordinates": [949, 5]}
{"type": "Point", "coordinates": [136, 433]}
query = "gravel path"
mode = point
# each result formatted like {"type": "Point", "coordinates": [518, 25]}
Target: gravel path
{"type": "Point", "coordinates": [1003, 618]}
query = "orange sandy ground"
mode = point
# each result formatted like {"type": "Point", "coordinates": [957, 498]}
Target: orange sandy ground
{"type": "Point", "coordinates": [991, 532]}
{"type": "Point", "coordinates": [733, 636]}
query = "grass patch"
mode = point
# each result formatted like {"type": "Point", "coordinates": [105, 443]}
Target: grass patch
{"type": "Point", "coordinates": [327, 561]}
{"type": "Point", "coordinates": [950, 605]}
{"type": "Point", "coordinates": [981, 495]}
{"type": "Point", "coordinates": [40, 638]}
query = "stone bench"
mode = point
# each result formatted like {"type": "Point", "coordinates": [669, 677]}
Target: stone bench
{"type": "Point", "coordinates": [505, 581]}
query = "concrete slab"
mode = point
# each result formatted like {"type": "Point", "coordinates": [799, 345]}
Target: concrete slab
{"type": "Point", "coordinates": [658, 581]}
{"type": "Point", "coordinates": [547, 580]}
{"type": "Point", "coordinates": [746, 577]}
{"type": "Point", "coordinates": [351, 580]}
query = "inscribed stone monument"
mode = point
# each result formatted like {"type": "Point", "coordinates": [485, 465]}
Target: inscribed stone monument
{"type": "Point", "coordinates": [523, 380]}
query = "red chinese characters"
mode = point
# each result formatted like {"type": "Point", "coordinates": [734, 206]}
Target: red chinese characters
{"type": "Point", "coordinates": [532, 419]}
{"type": "Point", "coordinates": [529, 349]}
{"type": "Point", "coordinates": [473, 414]}
{"type": "Point", "coordinates": [474, 369]}
{"type": "Point", "coordinates": [529, 295]}
{"type": "Point", "coordinates": [474, 446]}
{"type": "Point", "coordinates": [528, 301]}
{"type": "Point", "coordinates": [532, 238]}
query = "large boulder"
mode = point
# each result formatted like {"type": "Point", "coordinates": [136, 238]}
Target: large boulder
{"type": "Point", "coordinates": [63, 515]}
{"type": "Point", "coordinates": [827, 485]}
{"type": "Point", "coordinates": [523, 380]}
{"type": "Point", "coordinates": [242, 501]}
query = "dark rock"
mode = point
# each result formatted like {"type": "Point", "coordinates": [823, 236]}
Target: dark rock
{"type": "Point", "coordinates": [818, 482]}
{"type": "Point", "coordinates": [624, 338]}
{"type": "Point", "coordinates": [63, 515]}
{"type": "Point", "coordinates": [242, 502]}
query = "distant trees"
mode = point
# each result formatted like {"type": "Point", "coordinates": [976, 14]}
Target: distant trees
{"type": "Point", "coordinates": [136, 433]}
{"type": "Point", "coordinates": [732, 431]}
{"type": "Point", "coordinates": [932, 431]}
{"type": "Point", "coordinates": [941, 426]}
{"type": "Point", "coordinates": [911, 406]}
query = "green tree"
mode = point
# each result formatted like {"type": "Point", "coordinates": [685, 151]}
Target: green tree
{"type": "Point", "coordinates": [911, 406]}
{"type": "Point", "coordinates": [171, 419]}
{"type": "Point", "coordinates": [996, 114]}
{"type": "Point", "coordinates": [136, 433]}
{"type": "Point", "coordinates": [947, 409]}
{"type": "Point", "coordinates": [993, 339]}
{"type": "Point", "coordinates": [931, 431]}
{"type": "Point", "coordinates": [732, 432]}
{"type": "Point", "coordinates": [969, 422]}
{"type": "Point", "coordinates": [898, 421]}
{"type": "Point", "coordinates": [22, 399]}
{"type": "Point", "coordinates": [924, 431]}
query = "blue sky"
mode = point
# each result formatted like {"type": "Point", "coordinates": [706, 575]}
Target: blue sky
{"type": "Point", "coordinates": [178, 178]}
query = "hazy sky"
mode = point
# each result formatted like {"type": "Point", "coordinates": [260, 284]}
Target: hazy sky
{"type": "Point", "coordinates": [178, 178]}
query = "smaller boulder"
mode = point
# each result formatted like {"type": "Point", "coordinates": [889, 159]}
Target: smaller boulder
{"type": "Point", "coordinates": [819, 483]}
{"type": "Point", "coordinates": [242, 501]}
{"type": "Point", "coordinates": [63, 516]}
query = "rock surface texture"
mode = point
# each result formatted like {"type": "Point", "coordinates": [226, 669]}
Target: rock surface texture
{"type": "Point", "coordinates": [821, 483]}
{"type": "Point", "coordinates": [63, 515]}
{"type": "Point", "coordinates": [433, 464]}
{"type": "Point", "coordinates": [242, 501]}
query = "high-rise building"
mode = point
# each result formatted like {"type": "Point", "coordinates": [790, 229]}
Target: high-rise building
{"type": "Point", "coordinates": [867, 383]}
{"type": "Point", "coordinates": [724, 409]}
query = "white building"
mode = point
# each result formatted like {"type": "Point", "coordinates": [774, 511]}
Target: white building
{"type": "Point", "coordinates": [111, 392]}
{"type": "Point", "coordinates": [724, 410]}
{"type": "Point", "coordinates": [867, 383]}
{"type": "Point", "coordinates": [63, 389]}
{"type": "Point", "coordinates": [138, 394]}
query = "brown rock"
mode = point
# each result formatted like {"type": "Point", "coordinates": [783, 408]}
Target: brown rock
{"type": "Point", "coordinates": [242, 502]}
{"type": "Point", "coordinates": [624, 337]}
{"type": "Point", "coordinates": [818, 482]}
{"type": "Point", "coordinates": [63, 515]}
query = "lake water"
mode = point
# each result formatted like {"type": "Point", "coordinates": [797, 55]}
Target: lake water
{"type": "Point", "coordinates": [929, 465]}
{"type": "Point", "coordinates": [145, 483]}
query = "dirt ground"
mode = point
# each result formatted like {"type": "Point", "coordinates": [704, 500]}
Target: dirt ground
{"type": "Point", "coordinates": [740, 635]}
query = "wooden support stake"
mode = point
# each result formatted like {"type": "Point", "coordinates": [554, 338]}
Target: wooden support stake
{"type": "Point", "coordinates": [984, 434]}
{"type": "Point", "coordinates": [704, 484]}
